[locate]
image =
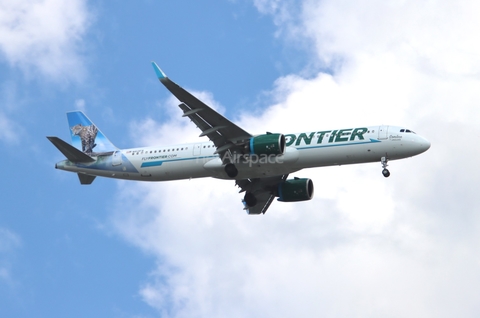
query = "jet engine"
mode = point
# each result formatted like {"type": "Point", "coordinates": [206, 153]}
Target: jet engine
{"type": "Point", "coordinates": [295, 190]}
{"type": "Point", "coordinates": [269, 144]}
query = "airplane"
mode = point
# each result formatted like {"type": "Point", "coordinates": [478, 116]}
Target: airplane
{"type": "Point", "coordinates": [259, 164]}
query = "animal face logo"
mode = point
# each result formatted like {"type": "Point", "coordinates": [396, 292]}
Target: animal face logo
{"type": "Point", "coordinates": [87, 134]}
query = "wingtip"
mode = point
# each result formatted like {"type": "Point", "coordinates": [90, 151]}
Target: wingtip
{"type": "Point", "coordinates": [158, 71]}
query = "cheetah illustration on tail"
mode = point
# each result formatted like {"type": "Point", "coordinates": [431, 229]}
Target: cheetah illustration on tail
{"type": "Point", "coordinates": [87, 134]}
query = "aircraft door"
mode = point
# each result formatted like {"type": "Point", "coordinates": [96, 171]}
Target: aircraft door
{"type": "Point", "coordinates": [117, 158]}
{"type": "Point", "coordinates": [382, 132]}
{"type": "Point", "coordinates": [197, 149]}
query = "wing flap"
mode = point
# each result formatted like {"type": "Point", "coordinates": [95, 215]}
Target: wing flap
{"type": "Point", "coordinates": [263, 203]}
{"type": "Point", "coordinates": [264, 190]}
{"type": "Point", "coordinates": [207, 129]}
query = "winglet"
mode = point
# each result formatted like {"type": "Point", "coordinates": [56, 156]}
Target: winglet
{"type": "Point", "coordinates": [158, 71]}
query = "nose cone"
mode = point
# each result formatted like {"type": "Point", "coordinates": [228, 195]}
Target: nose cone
{"type": "Point", "coordinates": [423, 144]}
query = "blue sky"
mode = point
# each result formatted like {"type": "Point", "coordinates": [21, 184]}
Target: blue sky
{"type": "Point", "coordinates": [364, 246]}
{"type": "Point", "coordinates": [62, 259]}
{"type": "Point", "coordinates": [59, 257]}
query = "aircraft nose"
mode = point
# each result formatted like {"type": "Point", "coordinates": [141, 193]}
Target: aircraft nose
{"type": "Point", "coordinates": [424, 144]}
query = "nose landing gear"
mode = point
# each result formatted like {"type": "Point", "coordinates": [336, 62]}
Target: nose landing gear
{"type": "Point", "coordinates": [385, 171]}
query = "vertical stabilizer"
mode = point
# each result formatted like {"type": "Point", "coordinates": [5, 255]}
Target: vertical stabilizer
{"type": "Point", "coordinates": [86, 136]}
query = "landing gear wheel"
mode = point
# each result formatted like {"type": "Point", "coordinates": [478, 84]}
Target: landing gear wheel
{"type": "Point", "coordinates": [250, 199]}
{"type": "Point", "coordinates": [386, 173]}
{"type": "Point", "coordinates": [231, 170]}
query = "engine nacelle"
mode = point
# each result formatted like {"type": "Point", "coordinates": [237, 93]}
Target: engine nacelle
{"type": "Point", "coordinates": [269, 144]}
{"type": "Point", "coordinates": [295, 190]}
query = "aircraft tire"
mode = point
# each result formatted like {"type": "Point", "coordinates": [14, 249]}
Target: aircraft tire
{"type": "Point", "coordinates": [250, 199]}
{"type": "Point", "coordinates": [386, 173]}
{"type": "Point", "coordinates": [231, 170]}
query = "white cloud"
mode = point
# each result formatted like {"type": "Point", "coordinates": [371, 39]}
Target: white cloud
{"type": "Point", "coordinates": [364, 246]}
{"type": "Point", "coordinates": [430, 36]}
{"type": "Point", "coordinates": [174, 129]}
{"type": "Point", "coordinates": [44, 36]}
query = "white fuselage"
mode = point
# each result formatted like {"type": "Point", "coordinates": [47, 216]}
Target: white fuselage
{"type": "Point", "coordinates": [304, 150]}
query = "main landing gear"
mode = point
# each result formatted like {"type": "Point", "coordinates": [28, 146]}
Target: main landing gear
{"type": "Point", "coordinates": [385, 171]}
{"type": "Point", "coordinates": [250, 199]}
{"type": "Point", "coordinates": [231, 170]}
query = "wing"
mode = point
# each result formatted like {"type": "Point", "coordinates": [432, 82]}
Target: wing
{"type": "Point", "coordinates": [264, 191]}
{"type": "Point", "coordinates": [225, 135]}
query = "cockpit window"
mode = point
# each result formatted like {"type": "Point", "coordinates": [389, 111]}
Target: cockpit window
{"type": "Point", "coordinates": [407, 131]}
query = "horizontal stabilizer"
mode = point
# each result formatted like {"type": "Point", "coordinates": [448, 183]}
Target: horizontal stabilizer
{"type": "Point", "coordinates": [72, 153]}
{"type": "Point", "coordinates": [85, 178]}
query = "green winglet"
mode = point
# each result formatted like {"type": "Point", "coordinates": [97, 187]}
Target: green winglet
{"type": "Point", "coordinates": [158, 71]}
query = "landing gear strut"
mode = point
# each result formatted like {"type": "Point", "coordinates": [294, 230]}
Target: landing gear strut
{"type": "Point", "coordinates": [385, 171]}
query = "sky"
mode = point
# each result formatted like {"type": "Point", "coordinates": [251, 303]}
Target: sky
{"type": "Point", "coordinates": [364, 246]}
